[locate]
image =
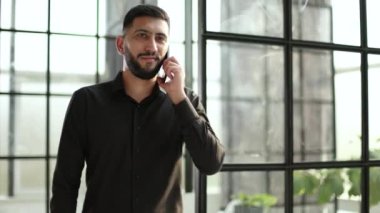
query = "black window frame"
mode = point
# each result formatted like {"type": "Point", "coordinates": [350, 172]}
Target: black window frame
{"type": "Point", "coordinates": [48, 156]}
{"type": "Point", "coordinates": [288, 43]}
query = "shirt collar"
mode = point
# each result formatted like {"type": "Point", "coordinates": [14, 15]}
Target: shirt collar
{"type": "Point", "coordinates": [118, 83]}
{"type": "Point", "coordinates": [118, 86]}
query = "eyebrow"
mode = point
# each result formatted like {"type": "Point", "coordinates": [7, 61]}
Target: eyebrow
{"type": "Point", "coordinates": [149, 32]}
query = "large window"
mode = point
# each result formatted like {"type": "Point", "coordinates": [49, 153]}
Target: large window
{"type": "Point", "coordinates": [48, 49]}
{"type": "Point", "coordinates": [46, 54]}
{"type": "Point", "coordinates": [291, 87]}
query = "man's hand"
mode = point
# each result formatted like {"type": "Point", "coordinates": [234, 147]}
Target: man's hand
{"type": "Point", "coordinates": [174, 86]}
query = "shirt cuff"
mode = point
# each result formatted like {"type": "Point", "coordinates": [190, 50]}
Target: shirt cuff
{"type": "Point", "coordinates": [186, 112]}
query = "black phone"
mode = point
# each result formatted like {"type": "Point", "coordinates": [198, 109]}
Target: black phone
{"type": "Point", "coordinates": [164, 76]}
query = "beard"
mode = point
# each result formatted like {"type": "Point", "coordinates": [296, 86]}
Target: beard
{"type": "Point", "coordinates": [137, 69]}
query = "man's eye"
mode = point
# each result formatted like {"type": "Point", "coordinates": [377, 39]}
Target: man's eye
{"type": "Point", "coordinates": [142, 35]}
{"type": "Point", "coordinates": [160, 38]}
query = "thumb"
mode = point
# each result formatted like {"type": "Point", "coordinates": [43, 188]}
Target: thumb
{"type": "Point", "coordinates": [161, 82]}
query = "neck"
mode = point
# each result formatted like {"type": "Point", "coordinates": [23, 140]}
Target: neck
{"type": "Point", "coordinates": [137, 88]}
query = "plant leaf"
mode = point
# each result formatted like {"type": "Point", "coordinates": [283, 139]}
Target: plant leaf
{"type": "Point", "coordinates": [332, 184]}
{"type": "Point", "coordinates": [298, 183]}
{"type": "Point", "coordinates": [354, 176]}
{"type": "Point", "coordinates": [324, 193]}
{"type": "Point", "coordinates": [374, 186]}
{"type": "Point", "coordinates": [311, 183]}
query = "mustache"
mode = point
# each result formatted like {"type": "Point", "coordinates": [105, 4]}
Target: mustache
{"type": "Point", "coordinates": [149, 54]}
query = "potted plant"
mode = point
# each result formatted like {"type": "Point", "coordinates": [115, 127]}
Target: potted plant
{"type": "Point", "coordinates": [254, 203]}
{"type": "Point", "coordinates": [329, 184]}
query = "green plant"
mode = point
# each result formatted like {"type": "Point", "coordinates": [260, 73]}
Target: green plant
{"type": "Point", "coordinates": [329, 183]}
{"type": "Point", "coordinates": [374, 185]}
{"type": "Point", "coordinates": [257, 200]}
{"type": "Point", "coordinates": [374, 154]}
{"type": "Point", "coordinates": [325, 184]}
{"type": "Point", "coordinates": [354, 176]}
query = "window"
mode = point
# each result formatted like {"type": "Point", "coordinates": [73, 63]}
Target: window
{"type": "Point", "coordinates": [290, 86]}
{"type": "Point", "coordinates": [46, 54]}
{"type": "Point", "coordinates": [43, 59]}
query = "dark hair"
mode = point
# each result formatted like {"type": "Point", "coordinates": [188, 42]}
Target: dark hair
{"type": "Point", "coordinates": [144, 10]}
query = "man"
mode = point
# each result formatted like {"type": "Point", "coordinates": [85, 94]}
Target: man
{"type": "Point", "coordinates": [130, 131]}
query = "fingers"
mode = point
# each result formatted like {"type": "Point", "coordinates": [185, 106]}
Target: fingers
{"type": "Point", "coordinates": [171, 61]}
{"type": "Point", "coordinates": [173, 71]}
{"type": "Point", "coordinates": [161, 81]}
{"type": "Point", "coordinates": [171, 67]}
{"type": "Point", "coordinates": [176, 80]}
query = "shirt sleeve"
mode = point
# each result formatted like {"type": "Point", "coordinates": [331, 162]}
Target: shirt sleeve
{"type": "Point", "coordinates": [70, 159]}
{"type": "Point", "coordinates": [203, 145]}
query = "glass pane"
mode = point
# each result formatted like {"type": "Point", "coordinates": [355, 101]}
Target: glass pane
{"type": "Point", "coordinates": [373, 16]}
{"type": "Point", "coordinates": [195, 72]}
{"type": "Point", "coordinates": [111, 16]}
{"type": "Point", "coordinates": [32, 19]}
{"type": "Point", "coordinates": [327, 21]}
{"type": "Point", "coordinates": [5, 124]}
{"type": "Point", "coordinates": [374, 186]}
{"type": "Point", "coordinates": [58, 107]}
{"type": "Point", "coordinates": [195, 21]}
{"type": "Point", "coordinates": [374, 105]}
{"type": "Point", "coordinates": [5, 62]}
{"type": "Point", "coordinates": [6, 14]}
{"type": "Point", "coordinates": [253, 17]}
{"type": "Point", "coordinates": [326, 105]}
{"type": "Point", "coordinates": [239, 191]}
{"type": "Point", "coordinates": [71, 16]}
{"type": "Point", "coordinates": [316, 190]}
{"type": "Point", "coordinates": [73, 62]}
{"type": "Point", "coordinates": [23, 125]}
{"type": "Point", "coordinates": [177, 49]}
{"type": "Point", "coordinates": [176, 12]}
{"type": "Point", "coordinates": [22, 186]}
{"type": "Point", "coordinates": [22, 68]}
{"type": "Point", "coordinates": [348, 103]}
{"type": "Point", "coordinates": [110, 62]}
{"type": "Point", "coordinates": [245, 90]}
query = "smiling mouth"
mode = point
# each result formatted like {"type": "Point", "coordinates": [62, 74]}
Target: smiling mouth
{"type": "Point", "coordinates": [149, 58]}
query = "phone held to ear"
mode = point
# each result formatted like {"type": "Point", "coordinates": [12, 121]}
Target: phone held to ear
{"type": "Point", "coordinates": [164, 76]}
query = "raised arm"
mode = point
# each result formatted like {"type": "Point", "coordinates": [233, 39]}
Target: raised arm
{"type": "Point", "coordinates": [204, 147]}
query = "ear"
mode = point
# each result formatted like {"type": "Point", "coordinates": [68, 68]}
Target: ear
{"type": "Point", "coordinates": [120, 45]}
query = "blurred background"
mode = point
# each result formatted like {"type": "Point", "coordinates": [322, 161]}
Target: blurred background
{"type": "Point", "coordinates": [289, 87]}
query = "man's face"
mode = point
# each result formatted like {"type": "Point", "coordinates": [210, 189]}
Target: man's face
{"type": "Point", "coordinates": [145, 46]}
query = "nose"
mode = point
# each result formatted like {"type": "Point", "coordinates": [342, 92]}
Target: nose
{"type": "Point", "coordinates": [151, 45]}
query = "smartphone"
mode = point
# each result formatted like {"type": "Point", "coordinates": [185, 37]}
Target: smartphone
{"type": "Point", "coordinates": [164, 76]}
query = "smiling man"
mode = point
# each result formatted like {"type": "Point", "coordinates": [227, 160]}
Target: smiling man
{"type": "Point", "coordinates": [130, 131]}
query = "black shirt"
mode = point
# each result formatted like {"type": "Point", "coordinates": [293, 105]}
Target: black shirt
{"type": "Point", "coordinates": [132, 150]}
